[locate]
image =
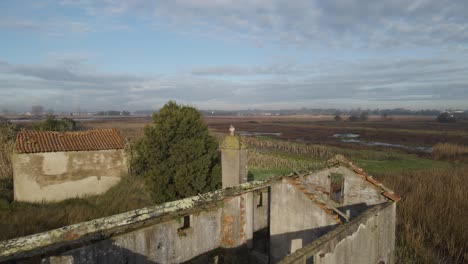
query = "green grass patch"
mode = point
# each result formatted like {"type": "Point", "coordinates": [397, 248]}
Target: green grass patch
{"type": "Point", "coordinates": [400, 163]}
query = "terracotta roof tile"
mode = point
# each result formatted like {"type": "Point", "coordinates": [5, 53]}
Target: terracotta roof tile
{"type": "Point", "coordinates": [50, 141]}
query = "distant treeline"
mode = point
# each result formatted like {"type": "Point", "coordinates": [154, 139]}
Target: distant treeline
{"type": "Point", "coordinates": [113, 113]}
{"type": "Point", "coordinates": [314, 111]}
{"type": "Point", "coordinates": [327, 111]}
{"type": "Point", "coordinates": [284, 112]}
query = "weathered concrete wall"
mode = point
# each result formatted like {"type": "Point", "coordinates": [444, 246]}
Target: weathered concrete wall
{"type": "Point", "coordinates": [56, 176]}
{"type": "Point", "coordinates": [161, 243]}
{"type": "Point", "coordinates": [373, 241]}
{"type": "Point", "coordinates": [295, 220]}
{"type": "Point", "coordinates": [358, 194]}
{"type": "Point", "coordinates": [368, 239]}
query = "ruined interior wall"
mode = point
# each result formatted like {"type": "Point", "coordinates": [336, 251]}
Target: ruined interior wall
{"type": "Point", "coordinates": [161, 243]}
{"type": "Point", "coordinates": [358, 194]}
{"type": "Point", "coordinates": [295, 220]}
{"type": "Point", "coordinates": [55, 176]}
{"type": "Point", "coordinates": [370, 241]}
{"type": "Point", "coordinates": [261, 212]}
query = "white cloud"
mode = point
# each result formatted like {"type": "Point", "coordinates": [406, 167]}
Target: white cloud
{"type": "Point", "coordinates": [343, 24]}
{"type": "Point", "coordinates": [428, 82]}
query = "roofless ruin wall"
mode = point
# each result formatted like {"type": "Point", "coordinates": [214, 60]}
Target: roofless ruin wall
{"type": "Point", "coordinates": [368, 239]}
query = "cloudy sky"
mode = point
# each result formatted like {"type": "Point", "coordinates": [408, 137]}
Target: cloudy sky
{"type": "Point", "coordinates": [223, 54]}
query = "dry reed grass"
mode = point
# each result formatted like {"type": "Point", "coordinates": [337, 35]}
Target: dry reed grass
{"type": "Point", "coordinates": [309, 150]}
{"type": "Point", "coordinates": [7, 143]}
{"type": "Point", "coordinates": [269, 161]}
{"type": "Point", "coordinates": [7, 136]}
{"type": "Point", "coordinates": [432, 217]}
{"type": "Point", "coordinates": [447, 151]}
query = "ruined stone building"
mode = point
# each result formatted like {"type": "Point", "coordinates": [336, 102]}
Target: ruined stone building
{"type": "Point", "coordinates": [338, 214]}
{"type": "Point", "coordinates": [54, 166]}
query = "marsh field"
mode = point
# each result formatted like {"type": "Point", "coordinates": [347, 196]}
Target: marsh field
{"type": "Point", "coordinates": [424, 161]}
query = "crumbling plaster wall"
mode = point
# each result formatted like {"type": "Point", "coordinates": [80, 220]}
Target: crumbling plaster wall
{"type": "Point", "coordinates": [372, 241]}
{"type": "Point", "coordinates": [295, 220]}
{"type": "Point", "coordinates": [358, 194]}
{"type": "Point", "coordinates": [55, 176]}
{"type": "Point", "coordinates": [161, 243]}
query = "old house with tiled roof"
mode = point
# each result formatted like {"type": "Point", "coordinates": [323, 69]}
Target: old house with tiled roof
{"type": "Point", "coordinates": [53, 166]}
{"type": "Point", "coordinates": [337, 214]}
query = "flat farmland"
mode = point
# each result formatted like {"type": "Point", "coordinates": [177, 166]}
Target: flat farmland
{"type": "Point", "coordinates": [406, 130]}
{"type": "Point", "coordinates": [417, 131]}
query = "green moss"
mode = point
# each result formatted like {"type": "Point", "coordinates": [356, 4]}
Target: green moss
{"type": "Point", "coordinates": [4, 205]}
{"type": "Point", "coordinates": [262, 173]}
{"type": "Point", "coordinates": [233, 142]}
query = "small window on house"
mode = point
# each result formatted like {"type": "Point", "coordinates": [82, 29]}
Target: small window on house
{"type": "Point", "coordinates": [336, 187]}
{"type": "Point", "coordinates": [259, 199]}
{"type": "Point", "coordinates": [186, 222]}
{"type": "Point", "coordinates": [185, 229]}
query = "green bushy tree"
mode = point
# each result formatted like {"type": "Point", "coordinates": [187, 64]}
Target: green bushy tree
{"type": "Point", "coordinates": [177, 156]}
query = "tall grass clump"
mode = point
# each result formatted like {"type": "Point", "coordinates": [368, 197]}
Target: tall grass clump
{"type": "Point", "coordinates": [7, 143]}
{"type": "Point", "coordinates": [452, 152]}
{"type": "Point", "coordinates": [432, 216]}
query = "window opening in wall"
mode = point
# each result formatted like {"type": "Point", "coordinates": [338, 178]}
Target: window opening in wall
{"type": "Point", "coordinates": [259, 199]}
{"type": "Point", "coordinates": [186, 222]}
{"type": "Point", "coordinates": [336, 187]}
{"type": "Point", "coordinates": [185, 229]}
{"type": "Point", "coordinates": [310, 260]}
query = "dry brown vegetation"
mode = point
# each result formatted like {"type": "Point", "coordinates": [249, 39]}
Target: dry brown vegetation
{"type": "Point", "coordinates": [432, 216]}
{"type": "Point", "coordinates": [453, 152]}
{"type": "Point", "coordinates": [7, 135]}
{"type": "Point", "coordinates": [269, 161]}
